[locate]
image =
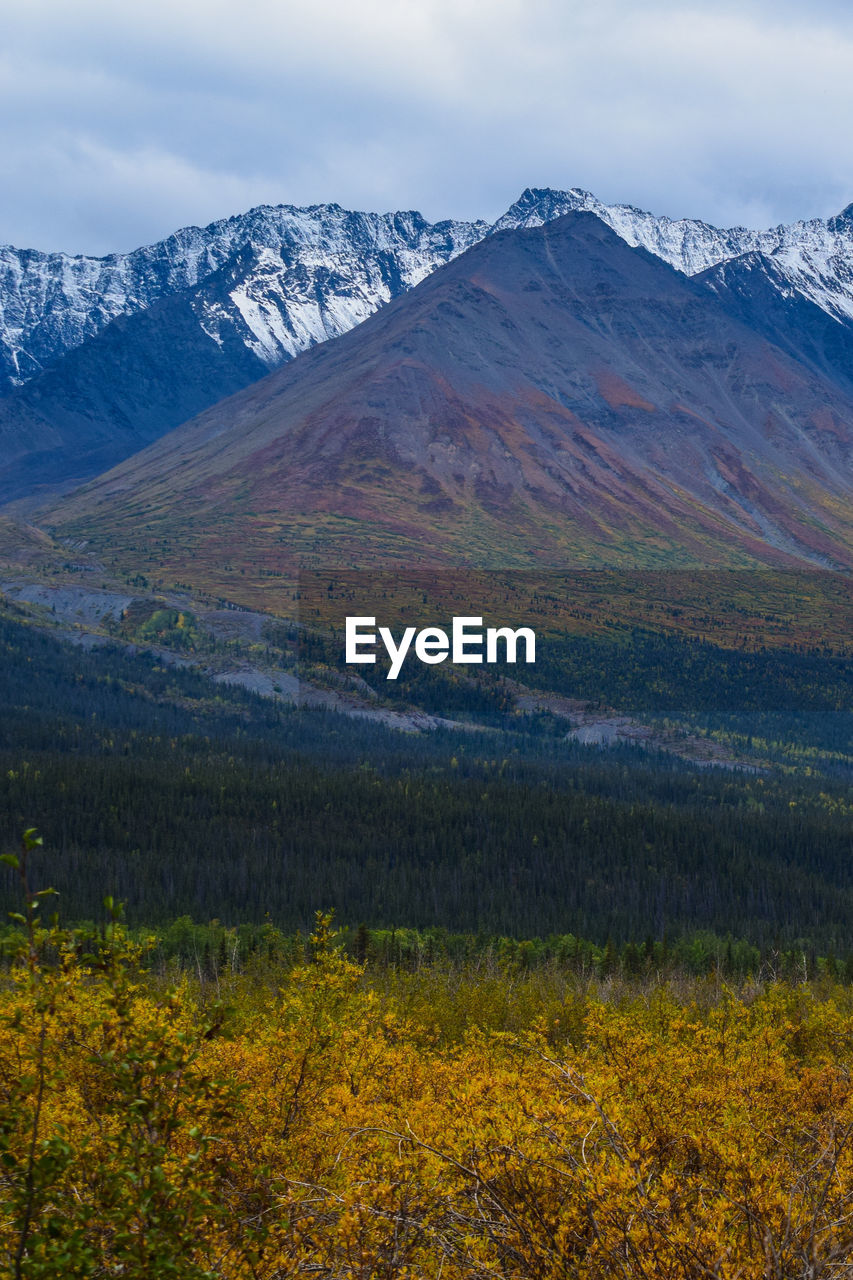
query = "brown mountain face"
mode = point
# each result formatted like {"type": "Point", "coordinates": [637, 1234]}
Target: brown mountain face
{"type": "Point", "coordinates": [551, 398]}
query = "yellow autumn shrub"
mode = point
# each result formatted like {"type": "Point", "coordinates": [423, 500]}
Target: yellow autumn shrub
{"type": "Point", "coordinates": [321, 1129]}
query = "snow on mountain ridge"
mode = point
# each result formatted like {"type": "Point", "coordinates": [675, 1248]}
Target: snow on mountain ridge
{"type": "Point", "coordinates": [687, 244]}
{"type": "Point", "coordinates": [301, 275]}
{"type": "Point", "coordinates": [816, 256]}
{"type": "Point", "coordinates": [50, 303]}
{"type": "Point", "coordinates": [286, 303]}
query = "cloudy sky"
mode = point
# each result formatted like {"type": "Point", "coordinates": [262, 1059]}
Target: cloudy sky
{"type": "Point", "coordinates": [125, 121]}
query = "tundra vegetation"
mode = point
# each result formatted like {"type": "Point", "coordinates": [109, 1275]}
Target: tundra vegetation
{"type": "Point", "coordinates": [311, 1116]}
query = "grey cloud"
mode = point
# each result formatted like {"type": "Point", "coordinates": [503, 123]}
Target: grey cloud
{"type": "Point", "coordinates": [131, 121]}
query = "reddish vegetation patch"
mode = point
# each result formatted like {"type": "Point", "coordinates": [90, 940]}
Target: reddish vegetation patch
{"type": "Point", "coordinates": [479, 282]}
{"type": "Point", "coordinates": [742, 480]}
{"type": "Point", "coordinates": [826, 421]}
{"type": "Point", "coordinates": [619, 394]}
{"type": "Point", "coordinates": [677, 408]}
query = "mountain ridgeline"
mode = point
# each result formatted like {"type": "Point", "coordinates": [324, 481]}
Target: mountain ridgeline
{"type": "Point", "coordinates": [576, 384]}
{"type": "Point", "coordinates": [550, 397]}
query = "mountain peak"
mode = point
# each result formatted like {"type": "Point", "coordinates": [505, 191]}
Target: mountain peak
{"type": "Point", "coordinates": [536, 205]}
{"type": "Point", "coordinates": [544, 195]}
{"type": "Point", "coordinates": [323, 268]}
{"type": "Point", "coordinates": [549, 397]}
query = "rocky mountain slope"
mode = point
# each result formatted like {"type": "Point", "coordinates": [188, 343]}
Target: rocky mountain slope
{"type": "Point", "coordinates": [551, 397]}
{"type": "Point", "coordinates": [813, 259]}
{"type": "Point", "coordinates": [754, 288]}
{"type": "Point", "coordinates": [142, 375]}
{"type": "Point", "coordinates": [102, 356]}
{"type": "Point", "coordinates": [315, 272]}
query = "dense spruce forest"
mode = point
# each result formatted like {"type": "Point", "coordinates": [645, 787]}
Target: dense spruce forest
{"type": "Point", "coordinates": [184, 797]}
{"type": "Point", "coordinates": [787, 698]}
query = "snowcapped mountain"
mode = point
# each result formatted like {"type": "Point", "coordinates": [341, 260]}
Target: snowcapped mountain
{"type": "Point", "coordinates": [303, 275]}
{"type": "Point", "coordinates": [316, 273]}
{"type": "Point", "coordinates": [101, 356]}
{"type": "Point", "coordinates": [814, 258]}
{"type": "Point", "coordinates": [686, 244]}
{"type": "Point", "coordinates": [552, 397]}
{"type": "Point", "coordinates": [756, 289]}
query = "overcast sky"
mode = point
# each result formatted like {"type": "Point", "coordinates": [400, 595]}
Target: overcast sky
{"type": "Point", "coordinates": [123, 122]}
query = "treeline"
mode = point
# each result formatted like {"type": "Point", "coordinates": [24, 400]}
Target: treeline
{"type": "Point", "coordinates": [646, 671]}
{"type": "Point", "coordinates": [526, 848]}
{"type": "Point", "coordinates": [215, 951]}
{"type": "Point", "coordinates": [634, 669]}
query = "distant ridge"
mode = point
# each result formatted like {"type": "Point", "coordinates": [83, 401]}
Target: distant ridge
{"type": "Point", "coordinates": [100, 356]}
{"type": "Point", "coordinates": [550, 398]}
{"type": "Point", "coordinates": [318, 270]}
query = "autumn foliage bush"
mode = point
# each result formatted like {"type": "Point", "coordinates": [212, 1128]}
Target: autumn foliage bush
{"type": "Point", "coordinates": [322, 1126]}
